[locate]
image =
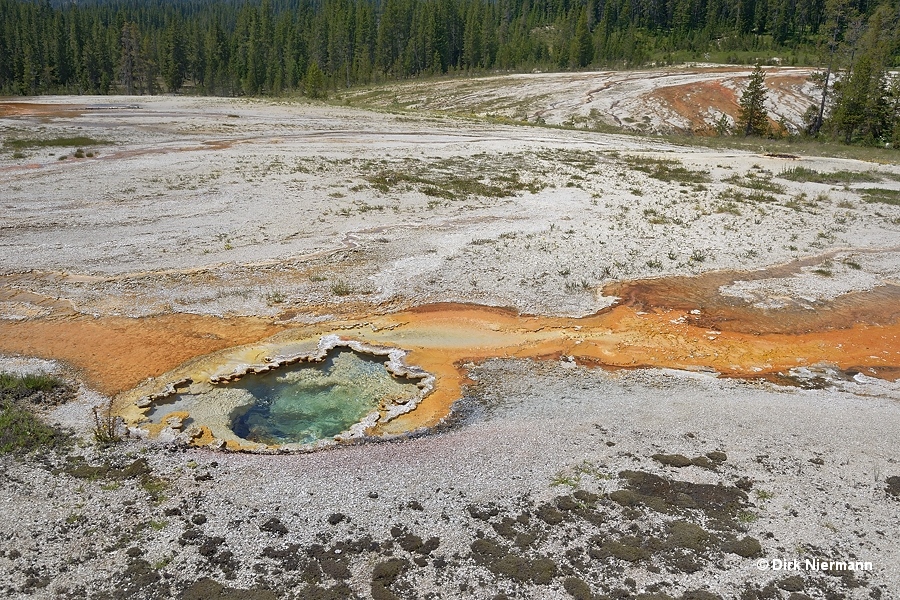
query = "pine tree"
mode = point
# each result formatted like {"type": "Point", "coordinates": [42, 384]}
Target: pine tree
{"type": "Point", "coordinates": [174, 59]}
{"type": "Point", "coordinates": [314, 82]}
{"type": "Point", "coordinates": [861, 107]}
{"type": "Point", "coordinates": [837, 13]}
{"type": "Point", "coordinates": [582, 51]}
{"type": "Point", "coordinates": [754, 120]}
{"type": "Point", "coordinates": [130, 56]}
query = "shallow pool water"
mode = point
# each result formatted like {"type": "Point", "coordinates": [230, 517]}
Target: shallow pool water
{"type": "Point", "coordinates": [309, 402]}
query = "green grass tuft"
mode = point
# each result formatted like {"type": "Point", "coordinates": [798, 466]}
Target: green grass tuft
{"type": "Point", "coordinates": [805, 175]}
{"type": "Point", "coordinates": [752, 182]}
{"type": "Point", "coordinates": [60, 142]}
{"type": "Point", "coordinates": [881, 195]}
{"type": "Point", "coordinates": [11, 383]}
{"type": "Point", "coordinates": [22, 432]}
{"type": "Point", "coordinates": [667, 170]}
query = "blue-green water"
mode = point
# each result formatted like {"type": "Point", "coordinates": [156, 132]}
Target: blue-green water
{"type": "Point", "coordinates": [309, 402]}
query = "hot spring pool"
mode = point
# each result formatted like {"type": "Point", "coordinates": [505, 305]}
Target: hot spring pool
{"type": "Point", "coordinates": [309, 402]}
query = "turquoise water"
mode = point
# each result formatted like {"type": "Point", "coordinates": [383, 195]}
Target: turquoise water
{"type": "Point", "coordinates": [309, 402]}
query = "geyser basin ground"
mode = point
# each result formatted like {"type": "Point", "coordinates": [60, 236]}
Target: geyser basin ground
{"type": "Point", "coordinates": [235, 228]}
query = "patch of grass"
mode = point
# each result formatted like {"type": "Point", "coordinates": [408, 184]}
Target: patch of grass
{"type": "Point", "coordinates": [698, 256]}
{"type": "Point", "coordinates": [805, 175]}
{"type": "Point", "coordinates": [729, 208]}
{"type": "Point", "coordinates": [155, 487]}
{"type": "Point", "coordinates": [275, 297]}
{"type": "Point", "coordinates": [882, 196]}
{"type": "Point", "coordinates": [759, 196]}
{"type": "Point", "coordinates": [577, 286]}
{"type": "Point", "coordinates": [746, 516]}
{"type": "Point", "coordinates": [449, 186]}
{"type": "Point", "coordinates": [60, 142]}
{"type": "Point", "coordinates": [753, 182]}
{"type": "Point", "coordinates": [794, 146]}
{"type": "Point", "coordinates": [75, 518]}
{"type": "Point", "coordinates": [571, 476]}
{"type": "Point", "coordinates": [28, 383]}
{"type": "Point", "coordinates": [362, 207]}
{"type": "Point", "coordinates": [22, 432]}
{"type": "Point", "coordinates": [341, 288]}
{"type": "Point", "coordinates": [667, 170]}
{"type": "Point", "coordinates": [655, 217]}
{"type": "Point", "coordinates": [764, 495]}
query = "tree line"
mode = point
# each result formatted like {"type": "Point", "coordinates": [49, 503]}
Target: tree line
{"type": "Point", "coordinates": [253, 47]}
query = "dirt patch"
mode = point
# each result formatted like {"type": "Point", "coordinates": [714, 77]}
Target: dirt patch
{"type": "Point", "coordinates": [114, 354]}
{"type": "Point", "coordinates": [713, 310]}
{"type": "Point", "coordinates": [696, 102]}
{"type": "Point", "coordinates": [35, 109]}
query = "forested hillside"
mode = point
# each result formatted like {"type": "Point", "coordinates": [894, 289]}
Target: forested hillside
{"type": "Point", "coordinates": [251, 47]}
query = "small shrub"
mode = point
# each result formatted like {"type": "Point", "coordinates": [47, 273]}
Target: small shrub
{"type": "Point", "coordinates": [275, 297]}
{"type": "Point", "coordinates": [105, 427]}
{"type": "Point", "coordinates": [655, 217]}
{"type": "Point", "coordinates": [698, 256]}
{"type": "Point", "coordinates": [341, 288]}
